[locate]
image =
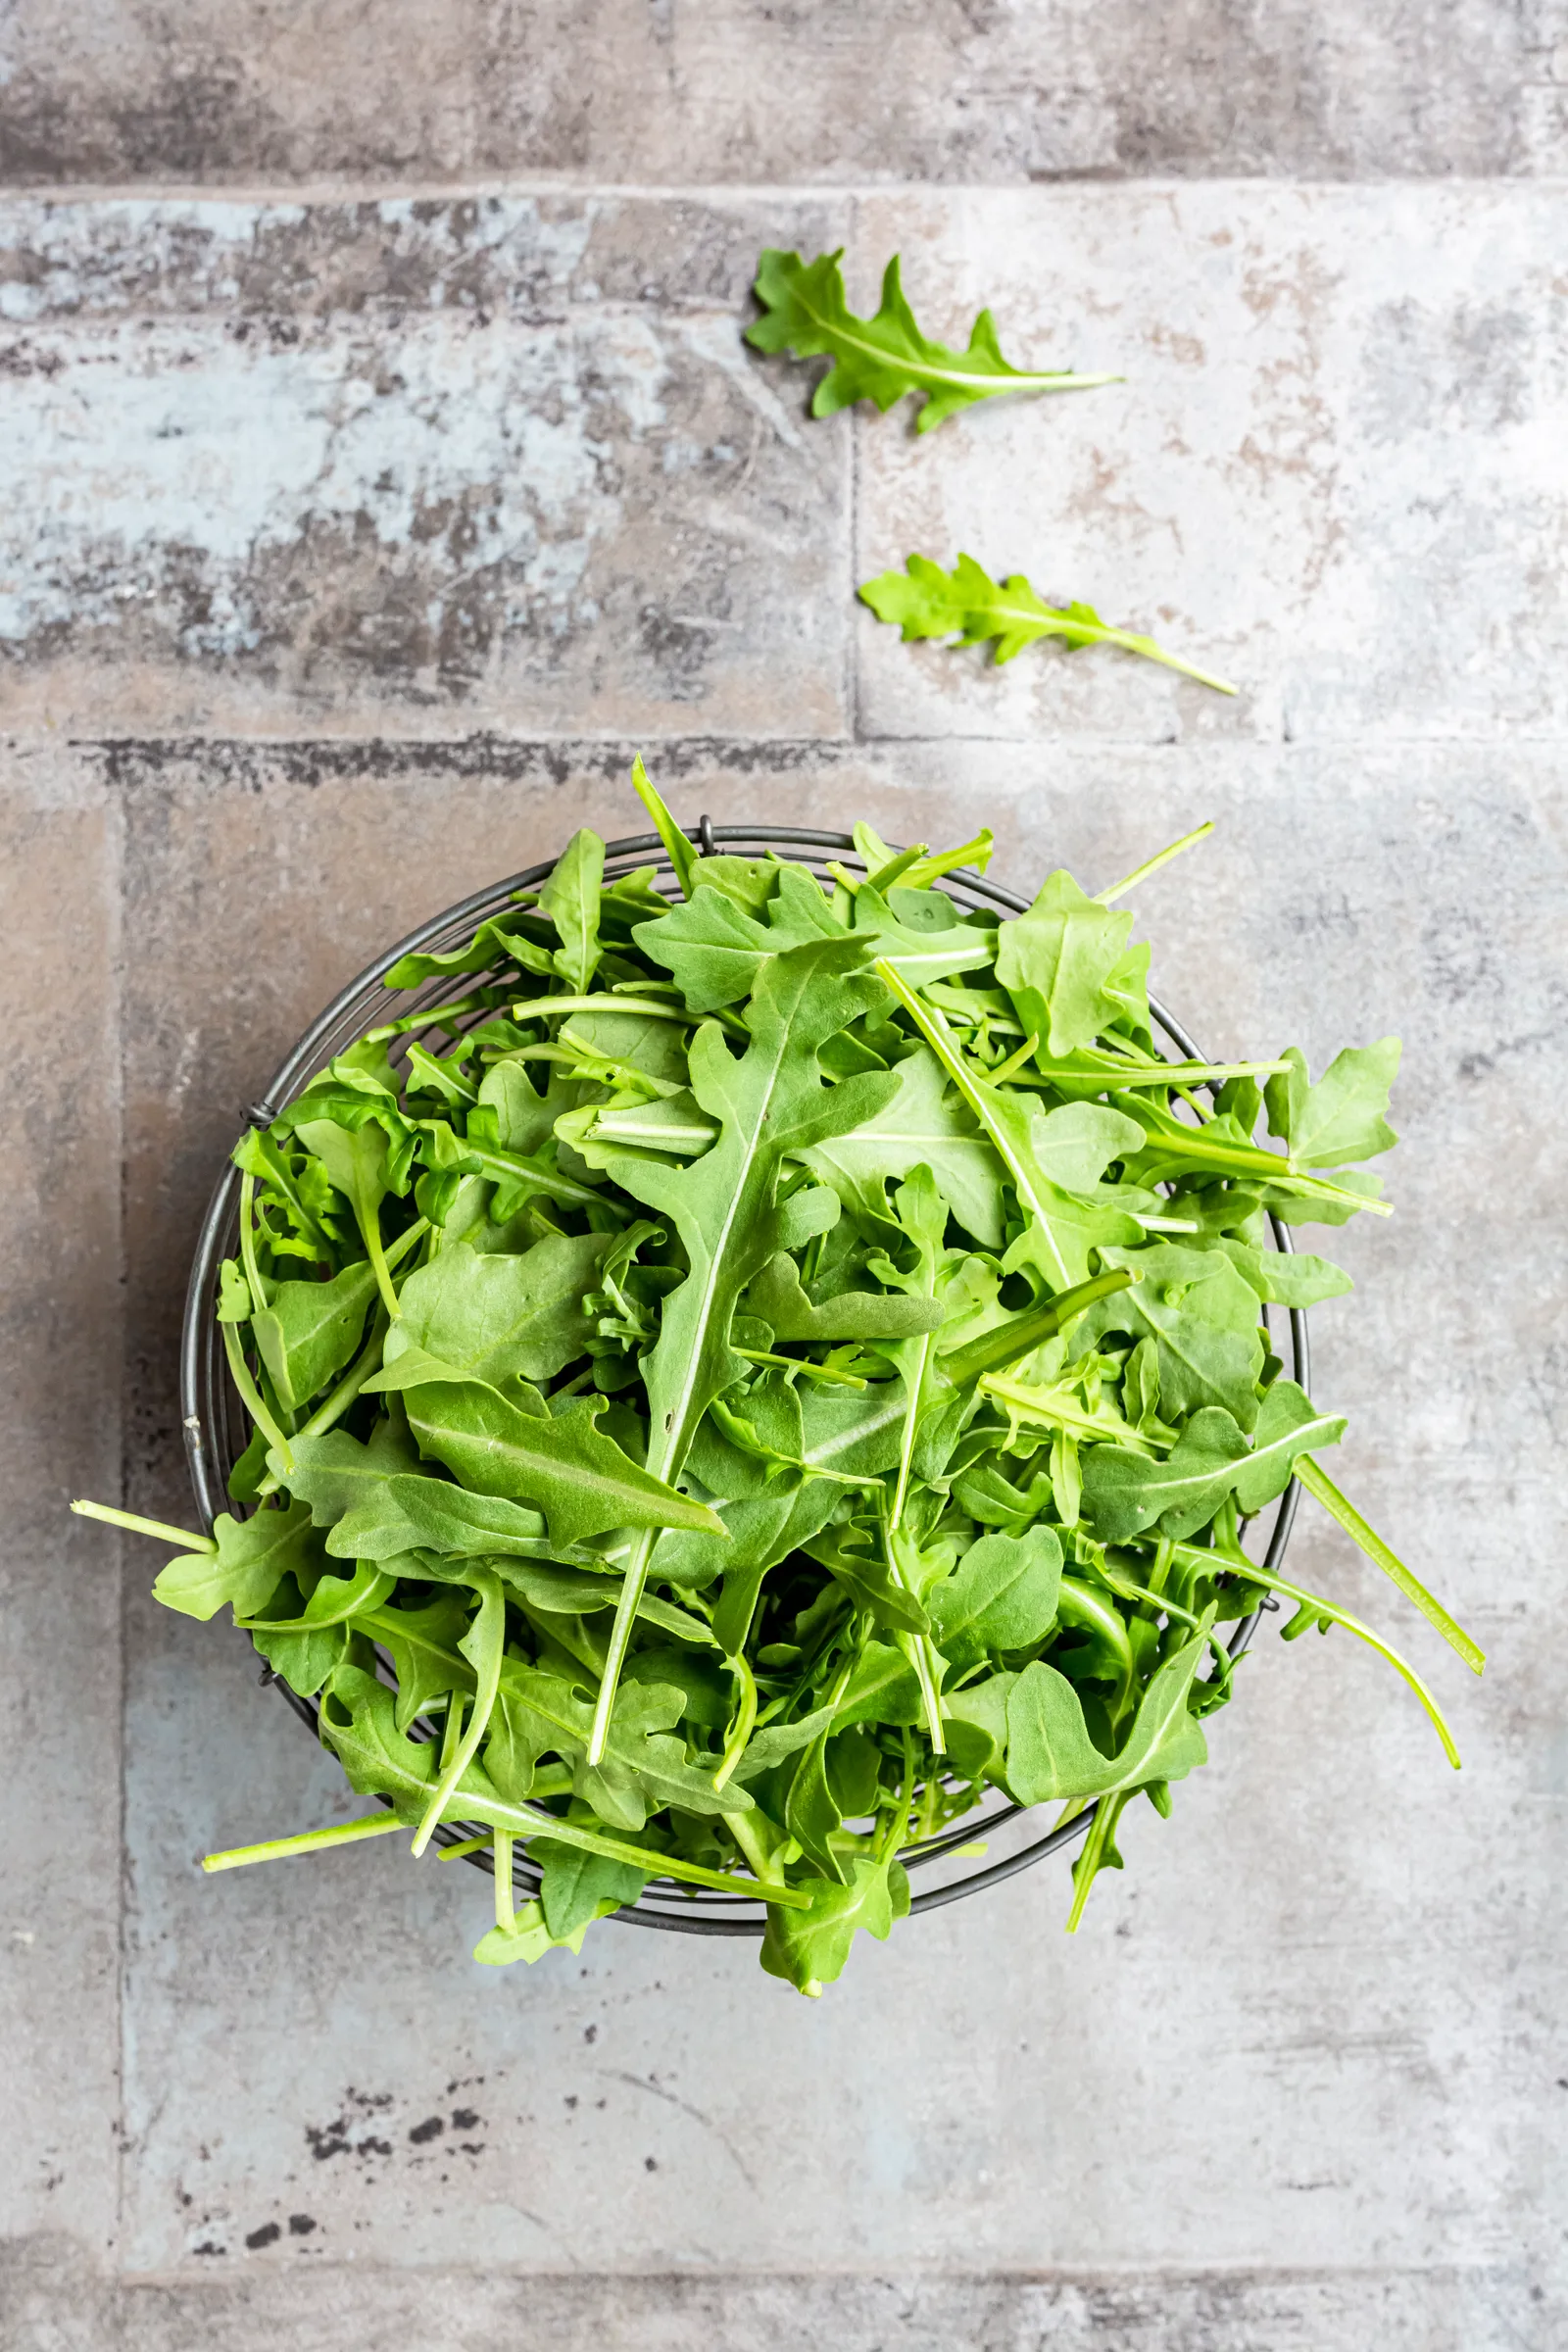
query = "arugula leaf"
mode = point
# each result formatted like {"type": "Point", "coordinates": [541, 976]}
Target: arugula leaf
{"type": "Point", "coordinates": [1202, 1314]}
{"type": "Point", "coordinates": [924, 601]}
{"type": "Point", "coordinates": [1342, 1117]}
{"type": "Point", "coordinates": [359, 1162]}
{"type": "Point", "coordinates": [249, 1560]}
{"type": "Point", "coordinates": [1050, 1754]}
{"type": "Point", "coordinates": [924, 1123]}
{"type": "Point", "coordinates": [563, 1466]}
{"type": "Point", "coordinates": [574, 1887]}
{"type": "Point", "coordinates": [882, 357]}
{"type": "Point", "coordinates": [495, 1314]}
{"type": "Point", "coordinates": [1002, 1595]}
{"type": "Point", "coordinates": [310, 1329]}
{"type": "Point", "coordinates": [809, 1949]}
{"type": "Point", "coordinates": [1054, 962]}
{"type": "Point", "coordinates": [570, 898]}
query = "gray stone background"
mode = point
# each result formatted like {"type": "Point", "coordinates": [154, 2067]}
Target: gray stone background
{"type": "Point", "coordinates": [381, 466]}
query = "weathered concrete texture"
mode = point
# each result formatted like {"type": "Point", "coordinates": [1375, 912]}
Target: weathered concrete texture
{"type": "Point", "coordinates": [50, 2308]}
{"type": "Point", "coordinates": [508, 459]}
{"type": "Point", "coordinates": [59, 1437]}
{"type": "Point", "coordinates": [508, 464]}
{"type": "Point", "coordinates": [1315, 2027]}
{"type": "Point", "coordinates": [1337, 472]}
{"type": "Point", "coordinates": [689, 90]}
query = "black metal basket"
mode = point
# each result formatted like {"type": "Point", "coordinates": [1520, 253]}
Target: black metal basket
{"type": "Point", "coordinates": [217, 1429]}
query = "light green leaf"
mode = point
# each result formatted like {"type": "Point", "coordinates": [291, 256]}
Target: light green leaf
{"type": "Point", "coordinates": [1051, 1755]}
{"type": "Point", "coordinates": [563, 1466]}
{"type": "Point", "coordinates": [1054, 962]}
{"type": "Point", "coordinates": [1125, 1493]}
{"type": "Point", "coordinates": [493, 1315]}
{"type": "Point", "coordinates": [1341, 1118]}
{"type": "Point", "coordinates": [924, 601]}
{"type": "Point", "coordinates": [570, 898]}
{"type": "Point", "coordinates": [251, 1558]}
{"type": "Point", "coordinates": [1002, 1595]}
{"type": "Point", "coordinates": [924, 1123]}
{"type": "Point", "coordinates": [809, 1949]}
{"type": "Point", "coordinates": [882, 357]}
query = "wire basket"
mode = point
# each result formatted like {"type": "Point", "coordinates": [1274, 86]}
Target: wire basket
{"type": "Point", "coordinates": [217, 1429]}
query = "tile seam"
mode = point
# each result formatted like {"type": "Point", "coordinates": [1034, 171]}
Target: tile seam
{"type": "Point", "coordinates": [328, 190]}
{"type": "Point", "coordinates": [113, 807]}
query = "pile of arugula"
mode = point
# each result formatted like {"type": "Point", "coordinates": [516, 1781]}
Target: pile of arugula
{"type": "Point", "coordinates": [787, 1367]}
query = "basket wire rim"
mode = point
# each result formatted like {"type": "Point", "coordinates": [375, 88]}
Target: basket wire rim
{"type": "Point", "coordinates": [201, 1375]}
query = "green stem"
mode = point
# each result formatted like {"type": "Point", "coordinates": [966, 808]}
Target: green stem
{"type": "Point", "coordinates": [1003, 1070]}
{"type": "Point", "coordinates": [251, 1396]}
{"type": "Point", "coordinates": [1079, 632]}
{"type": "Point", "coordinates": [489, 1632]}
{"type": "Point", "coordinates": [1194, 1557]}
{"type": "Point", "coordinates": [1318, 1482]}
{"type": "Point", "coordinates": [247, 1243]}
{"type": "Point", "coordinates": [1152, 865]}
{"type": "Point", "coordinates": [533, 1008]}
{"type": "Point", "coordinates": [144, 1527]}
{"type": "Point", "coordinates": [800, 1363]}
{"type": "Point", "coordinates": [1085, 1870]}
{"type": "Point", "coordinates": [994, 1350]}
{"type": "Point", "coordinates": [506, 1909]}
{"type": "Point", "coordinates": [474, 1002]}
{"type": "Point", "coordinates": [545, 1179]}
{"type": "Point", "coordinates": [745, 1720]}
{"type": "Point", "coordinates": [369, 1223]}
{"type": "Point", "coordinates": [307, 1842]}
{"type": "Point", "coordinates": [523, 1822]}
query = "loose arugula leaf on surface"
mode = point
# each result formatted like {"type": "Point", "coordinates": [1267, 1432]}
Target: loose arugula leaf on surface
{"type": "Point", "coordinates": [764, 1373]}
{"type": "Point", "coordinates": [966, 604]}
{"type": "Point", "coordinates": [882, 357]}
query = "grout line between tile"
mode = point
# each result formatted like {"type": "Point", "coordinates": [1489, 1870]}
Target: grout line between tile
{"type": "Point", "coordinates": [851, 633]}
{"type": "Point", "coordinates": [460, 188]}
{"type": "Point", "coordinates": [115, 823]}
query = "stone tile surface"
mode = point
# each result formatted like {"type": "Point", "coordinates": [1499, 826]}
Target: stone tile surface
{"type": "Point", "coordinates": [60, 1310]}
{"type": "Point", "coordinates": [429, 467]}
{"type": "Point", "coordinates": [1336, 1940]}
{"type": "Point", "coordinates": [693, 90]}
{"type": "Point", "coordinates": [465, 2310]}
{"type": "Point", "coordinates": [1336, 473]}
{"type": "Point", "coordinates": [382, 467]}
